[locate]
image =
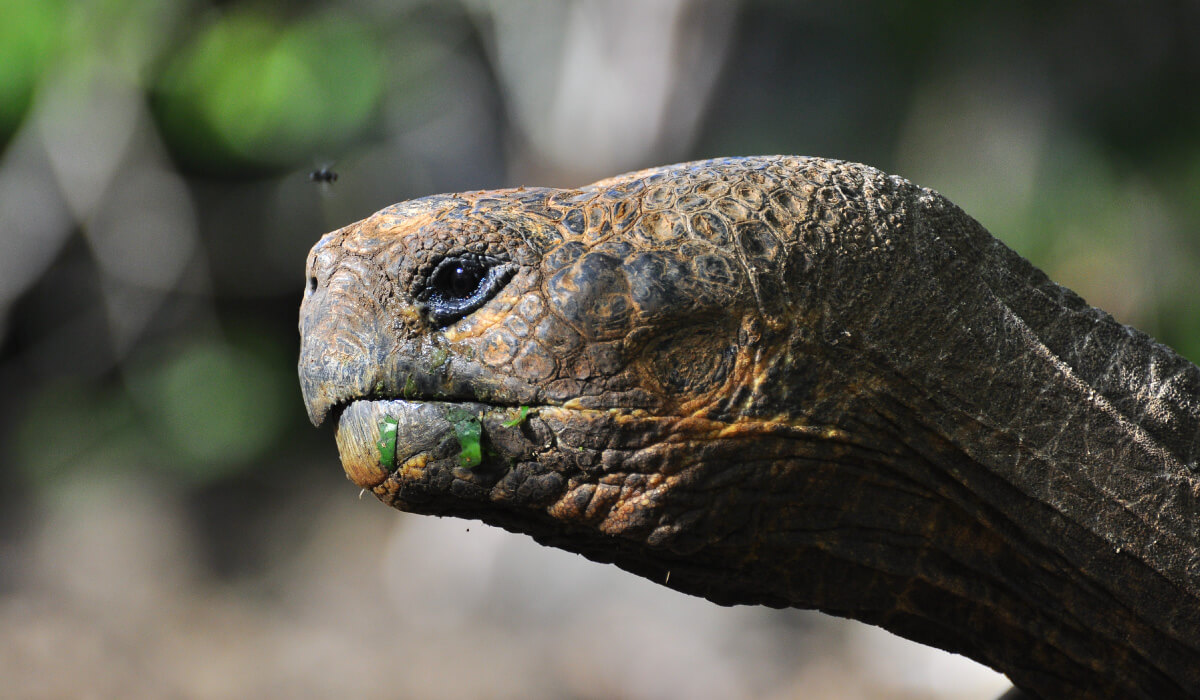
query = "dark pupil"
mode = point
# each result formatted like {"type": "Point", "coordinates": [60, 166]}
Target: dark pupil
{"type": "Point", "coordinates": [459, 281]}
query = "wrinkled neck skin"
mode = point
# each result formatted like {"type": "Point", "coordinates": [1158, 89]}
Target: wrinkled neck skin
{"type": "Point", "coordinates": [858, 402]}
{"type": "Point", "coordinates": [1053, 455]}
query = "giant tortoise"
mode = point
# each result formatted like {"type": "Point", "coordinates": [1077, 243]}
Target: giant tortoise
{"type": "Point", "coordinates": [783, 381]}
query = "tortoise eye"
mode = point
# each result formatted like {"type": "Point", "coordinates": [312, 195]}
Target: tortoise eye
{"type": "Point", "coordinates": [459, 280]}
{"type": "Point", "coordinates": [461, 284]}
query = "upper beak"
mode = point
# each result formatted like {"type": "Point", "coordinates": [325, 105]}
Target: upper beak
{"type": "Point", "coordinates": [342, 346]}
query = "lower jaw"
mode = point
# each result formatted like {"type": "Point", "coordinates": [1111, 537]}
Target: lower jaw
{"type": "Point", "coordinates": [424, 432]}
{"type": "Point", "coordinates": [375, 437]}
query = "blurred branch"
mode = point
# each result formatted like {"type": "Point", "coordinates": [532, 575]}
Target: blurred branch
{"type": "Point", "coordinates": [597, 87]}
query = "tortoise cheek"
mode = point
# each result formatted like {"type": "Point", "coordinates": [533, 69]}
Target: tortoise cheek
{"type": "Point", "coordinates": [592, 295]}
{"type": "Point", "coordinates": [690, 362]}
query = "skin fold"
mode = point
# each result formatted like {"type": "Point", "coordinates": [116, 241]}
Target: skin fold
{"type": "Point", "coordinates": [783, 381]}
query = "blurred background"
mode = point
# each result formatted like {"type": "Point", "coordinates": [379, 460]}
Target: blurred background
{"type": "Point", "coordinates": [172, 526]}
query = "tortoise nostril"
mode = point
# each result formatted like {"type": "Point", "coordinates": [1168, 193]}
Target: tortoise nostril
{"type": "Point", "coordinates": [312, 284]}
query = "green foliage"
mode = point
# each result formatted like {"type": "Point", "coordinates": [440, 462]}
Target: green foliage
{"type": "Point", "coordinates": [215, 406]}
{"type": "Point", "coordinates": [30, 33]}
{"type": "Point", "coordinates": [255, 90]}
{"type": "Point", "coordinates": [197, 412]}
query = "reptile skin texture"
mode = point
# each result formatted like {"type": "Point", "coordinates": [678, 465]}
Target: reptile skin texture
{"type": "Point", "coordinates": [784, 381]}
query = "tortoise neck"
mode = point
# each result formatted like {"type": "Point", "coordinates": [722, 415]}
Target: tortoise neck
{"type": "Point", "coordinates": [1126, 381]}
{"type": "Point", "coordinates": [1052, 396]}
{"type": "Point", "coordinates": [1053, 427]}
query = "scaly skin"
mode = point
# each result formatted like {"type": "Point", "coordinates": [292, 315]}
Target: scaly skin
{"type": "Point", "coordinates": [784, 381]}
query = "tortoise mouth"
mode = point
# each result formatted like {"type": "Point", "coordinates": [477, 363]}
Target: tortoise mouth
{"type": "Point", "coordinates": [377, 438]}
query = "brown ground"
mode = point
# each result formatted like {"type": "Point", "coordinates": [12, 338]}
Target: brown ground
{"type": "Point", "coordinates": [109, 603]}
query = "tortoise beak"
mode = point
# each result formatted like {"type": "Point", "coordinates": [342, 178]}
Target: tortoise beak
{"type": "Point", "coordinates": [343, 346]}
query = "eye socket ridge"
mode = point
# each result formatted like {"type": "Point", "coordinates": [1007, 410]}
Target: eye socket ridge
{"type": "Point", "coordinates": [462, 283]}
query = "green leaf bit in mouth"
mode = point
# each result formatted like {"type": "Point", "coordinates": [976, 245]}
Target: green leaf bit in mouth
{"type": "Point", "coordinates": [468, 430]}
{"type": "Point", "coordinates": [522, 414]}
{"type": "Point", "coordinates": [387, 441]}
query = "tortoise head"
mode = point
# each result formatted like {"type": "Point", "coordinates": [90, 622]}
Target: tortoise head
{"type": "Point", "coordinates": [783, 381]}
{"type": "Point", "coordinates": [577, 364]}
